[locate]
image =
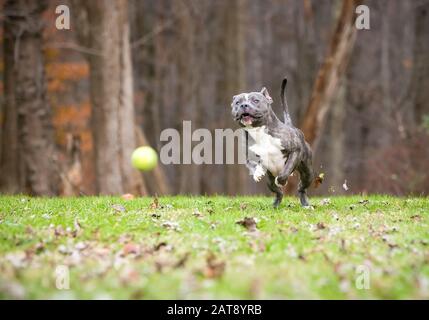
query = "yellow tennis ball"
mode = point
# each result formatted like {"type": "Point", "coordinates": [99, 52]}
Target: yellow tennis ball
{"type": "Point", "coordinates": [144, 158]}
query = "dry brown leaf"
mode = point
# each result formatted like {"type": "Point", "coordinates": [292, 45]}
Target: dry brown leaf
{"type": "Point", "coordinates": [243, 206]}
{"type": "Point", "coordinates": [118, 208]}
{"type": "Point", "coordinates": [160, 245]}
{"type": "Point", "coordinates": [182, 261]}
{"type": "Point", "coordinates": [416, 217]}
{"type": "Point", "coordinates": [319, 180]}
{"type": "Point", "coordinates": [77, 225]}
{"type": "Point", "coordinates": [155, 203]}
{"type": "Point", "coordinates": [130, 248]}
{"type": "Point", "coordinates": [214, 267]}
{"type": "Point", "coordinates": [248, 223]}
{"type": "Point", "coordinates": [127, 196]}
{"type": "Point", "coordinates": [171, 225]}
{"type": "Point", "coordinates": [321, 226]}
{"type": "Point", "coordinates": [197, 213]}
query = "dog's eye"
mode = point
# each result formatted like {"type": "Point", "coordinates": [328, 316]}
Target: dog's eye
{"type": "Point", "coordinates": [255, 100]}
{"type": "Point", "coordinates": [237, 103]}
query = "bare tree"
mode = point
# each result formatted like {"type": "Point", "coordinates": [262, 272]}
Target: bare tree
{"type": "Point", "coordinates": [331, 71]}
{"type": "Point", "coordinates": [9, 160]}
{"type": "Point", "coordinates": [420, 77]}
{"type": "Point", "coordinates": [104, 28]}
{"type": "Point", "coordinates": [28, 151]}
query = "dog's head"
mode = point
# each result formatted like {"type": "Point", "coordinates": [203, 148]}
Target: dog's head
{"type": "Point", "coordinates": [251, 109]}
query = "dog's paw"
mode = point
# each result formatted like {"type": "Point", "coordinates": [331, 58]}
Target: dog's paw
{"type": "Point", "coordinates": [258, 174]}
{"type": "Point", "coordinates": [257, 177]}
{"type": "Point", "coordinates": [279, 184]}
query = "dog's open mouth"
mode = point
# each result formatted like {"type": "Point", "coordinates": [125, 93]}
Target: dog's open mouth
{"type": "Point", "coordinates": [247, 119]}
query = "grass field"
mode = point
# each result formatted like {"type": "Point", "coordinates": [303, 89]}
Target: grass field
{"type": "Point", "coordinates": [203, 247]}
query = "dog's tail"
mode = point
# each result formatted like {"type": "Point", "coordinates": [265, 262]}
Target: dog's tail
{"type": "Point", "coordinates": [287, 119]}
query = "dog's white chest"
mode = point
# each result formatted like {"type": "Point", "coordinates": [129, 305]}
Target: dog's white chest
{"type": "Point", "coordinates": [268, 148]}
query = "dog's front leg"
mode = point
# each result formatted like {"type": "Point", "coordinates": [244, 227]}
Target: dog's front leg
{"type": "Point", "coordinates": [290, 165]}
{"type": "Point", "coordinates": [256, 170]}
{"type": "Point", "coordinates": [253, 162]}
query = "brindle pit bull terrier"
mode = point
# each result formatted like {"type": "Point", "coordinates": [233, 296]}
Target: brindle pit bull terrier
{"type": "Point", "coordinates": [274, 148]}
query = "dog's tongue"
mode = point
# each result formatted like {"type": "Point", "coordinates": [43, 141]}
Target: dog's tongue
{"type": "Point", "coordinates": [246, 120]}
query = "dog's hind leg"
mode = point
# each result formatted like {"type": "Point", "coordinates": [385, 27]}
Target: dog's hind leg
{"type": "Point", "coordinates": [306, 177]}
{"type": "Point", "coordinates": [274, 188]}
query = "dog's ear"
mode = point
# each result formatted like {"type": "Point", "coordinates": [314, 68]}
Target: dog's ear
{"type": "Point", "coordinates": [233, 100]}
{"type": "Point", "coordinates": [267, 96]}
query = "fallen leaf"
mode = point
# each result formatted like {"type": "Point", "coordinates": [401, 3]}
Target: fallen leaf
{"type": "Point", "coordinates": [155, 203]}
{"type": "Point", "coordinates": [130, 248]}
{"type": "Point", "coordinates": [17, 259]}
{"type": "Point", "coordinates": [257, 245]}
{"type": "Point", "coordinates": [197, 213]}
{"type": "Point", "coordinates": [125, 238]}
{"type": "Point", "coordinates": [243, 206]}
{"type": "Point", "coordinates": [416, 217]}
{"type": "Point", "coordinates": [214, 267]}
{"type": "Point", "coordinates": [343, 245]}
{"type": "Point", "coordinates": [248, 223]}
{"type": "Point", "coordinates": [118, 208]}
{"type": "Point", "coordinates": [325, 201]}
{"type": "Point", "coordinates": [293, 229]}
{"type": "Point", "coordinates": [171, 225]}
{"type": "Point", "coordinates": [59, 231]}
{"type": "Point", "coordinates": [182, 261]}
{"type": "Point", "coordinates": [392, 245]}
{"type": "Point", "coordinates": [77, 225]}
{"type": "Point", "coordinates": [129, 275]}
{"type": "Point", "coordinates": [321, 225]}
{"type": "Point", "coordinates": [127, 196]}
{"type": "Point", "coordinates": [13, 289]}
{"type": "Point", "coordinates": [319, 180]}
{"type": "Point", "coordinates": [160, 245]}
{"type": "Point", "coordinates": [63, 249]}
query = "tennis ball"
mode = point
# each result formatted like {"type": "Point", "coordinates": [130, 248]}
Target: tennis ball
{"type": "Point", "coordinates": [144, 158]}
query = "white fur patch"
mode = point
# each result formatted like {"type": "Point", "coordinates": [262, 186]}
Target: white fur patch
{"type": "Point", "coordinates": [259, 173]}
{"type": "Point", "coordinates": [268, 148]}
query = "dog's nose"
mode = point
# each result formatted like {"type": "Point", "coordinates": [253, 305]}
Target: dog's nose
{"type": "Point", "coordinates": [244, 106]}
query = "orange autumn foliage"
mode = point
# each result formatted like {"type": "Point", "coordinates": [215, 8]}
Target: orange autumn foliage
{"type": "Point", "coordinates": [73, 118]}
{"type": "Point", "coordinates": [60, 72]}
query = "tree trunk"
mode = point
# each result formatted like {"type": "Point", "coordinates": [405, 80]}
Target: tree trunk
{"type": "Point", "coordinates": [235, 81]}
{"type": "Point", "coordinates": [10, 181]}
{"type": "Point", "coordinates": [331, 71]}
{"type": "Point", "coordinates": [34, 150]}
{"type": "Point", "coordinates": [420, 76]}
{"type": "Point", "coordinates": [107, 33]}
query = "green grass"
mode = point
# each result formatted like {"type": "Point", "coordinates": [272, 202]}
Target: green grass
{"type": "Point", "coordinates": [192, 248]}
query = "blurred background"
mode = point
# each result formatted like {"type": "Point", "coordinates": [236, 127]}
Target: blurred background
{"type": "Point", "coordinates": [75, 103]}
